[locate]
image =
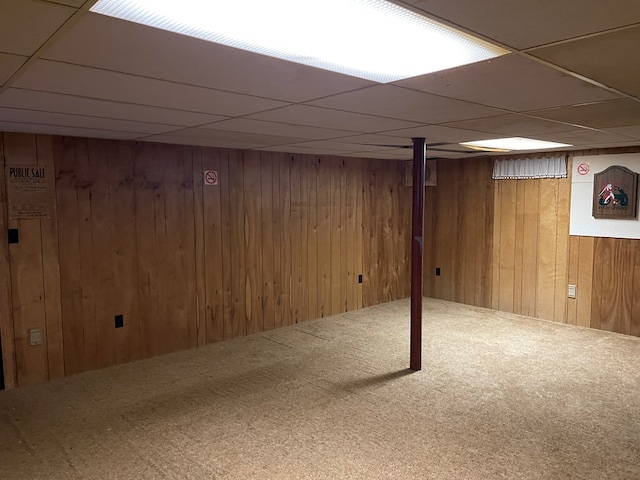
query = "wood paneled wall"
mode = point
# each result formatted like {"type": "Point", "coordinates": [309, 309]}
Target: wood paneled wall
{"type": "Point", "coordinates": [458, 232]}
{"type": "Point", "coordinates": [606, 272]}
{"type": "Point", "coordinates": [282, 239]}
{"type": "Point", "coordinates": [387, 243]}
{"type": "Point", "coordinates": [522, 228]}
{"type": "Point", "coordinates": [531, 234]}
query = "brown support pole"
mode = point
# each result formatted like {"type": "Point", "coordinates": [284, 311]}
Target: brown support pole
{"type": "Point", "coordinates": [417, 230]}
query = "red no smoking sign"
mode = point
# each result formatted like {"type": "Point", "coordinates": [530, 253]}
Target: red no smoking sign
{"type": "Point", "coordinates": [210, 177]}
{"type": "Point", "coordinates": [584, 168]}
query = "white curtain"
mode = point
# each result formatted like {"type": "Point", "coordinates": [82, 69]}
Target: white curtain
{"type": "Point", "coordinates": [530, 167]}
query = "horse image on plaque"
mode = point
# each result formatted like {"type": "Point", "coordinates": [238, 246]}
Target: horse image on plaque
{"type": "Point", "coordinates": [615, 193]}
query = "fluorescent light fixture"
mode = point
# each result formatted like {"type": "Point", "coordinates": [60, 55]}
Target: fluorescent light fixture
{"type": "Point", "coordinates": [513, 143]}
{"type": "Point", "coordinates": [372, 39]}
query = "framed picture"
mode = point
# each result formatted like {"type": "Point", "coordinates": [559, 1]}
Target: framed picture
{"type": "Point", "coordinates": [615, 193]}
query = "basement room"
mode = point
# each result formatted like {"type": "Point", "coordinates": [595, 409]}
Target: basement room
{"type": "Point", "coordinates": [347, 239]}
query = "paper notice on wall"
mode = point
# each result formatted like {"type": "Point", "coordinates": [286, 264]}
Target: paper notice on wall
{"type": "Point", "coordinates": [29, 191]}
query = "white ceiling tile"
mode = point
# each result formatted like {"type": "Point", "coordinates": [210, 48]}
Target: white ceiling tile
{"type": "Point", "coordinates": [54, 102]}
{"type": "Point", "coordinates": [402, 155]}
{"type": "Point", "coordinates": [615, 113]}
{"type": "Point", "coordinates": [329, 118]}
{"type": "Point", "coordinates": [629, 131]}
{"type": "Point", "coordinates": [584, 137]}
{"type": "Point", "coordinates": [512, 125]}
{"type": "Point", "coordinates": [525, 24]}
{"type": "Point", "coordinates": [439, 133]}
{"type": "Point", "coordinates": [337, 145]}
{"type": "Point", "coordinates": [80, 121]}
{"type": "Point", "coordinates": [58, 77]}
{"type": "Point", "coordinates": [401, 103]}
{"type": "Point", "coordinates": [302, 150]}
{"type": "Point", "coordinates": [65, 131]}
{"type": "Point", "coordinates": [9, 64]}
{"type": "Point", "coordinates": [376, 139]}
{"type": "Point", "coordinates": [203, 142]}
{"type": "Point", "coordinates": [612, 59]}
{"type": "Point", "coordinates": [612, 145]}
{"type": "Point", "coordinates": [71, 3]}
{"type": "Point", "coordinates": [221, 136]}
{"type": "Point", "coordinates": [113, 44]}
{"type": "Point", "coordinates": [26, 24]}
{"type": "Point", "coordinates": [511, 82]}
{"type": "Point", "coordinates": [275, 128]}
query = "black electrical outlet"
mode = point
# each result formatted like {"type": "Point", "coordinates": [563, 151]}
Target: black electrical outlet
{"type": "Point", "coordinates": [14, 236]}
{"type": "Point", "coordinates": [360, 278]}
{"type": "Point", "coordinates": [437, 271]}
{"type": "Point", "coordinates": [119, 321]}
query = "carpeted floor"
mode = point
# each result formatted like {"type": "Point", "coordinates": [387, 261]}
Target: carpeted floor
{"type": "Point", "coordinates": [500, 396]}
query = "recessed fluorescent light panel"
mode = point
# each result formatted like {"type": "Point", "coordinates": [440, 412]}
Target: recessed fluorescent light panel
{"type": "Point", "coordinates": [513, 143]}
{"type": "Point", "coordinates": [371, 39]}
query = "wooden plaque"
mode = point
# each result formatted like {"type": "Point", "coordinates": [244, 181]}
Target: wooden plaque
{"type": "Point", "coordinates": [615, 193]}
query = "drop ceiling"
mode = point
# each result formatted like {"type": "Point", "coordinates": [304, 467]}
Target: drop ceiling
{"type": "Point", "coordinates": [572, 77]}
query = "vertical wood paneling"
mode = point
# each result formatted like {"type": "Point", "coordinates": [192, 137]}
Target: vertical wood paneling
{"type": "Point", "coordinates": [614, 274]}
{"type": "Point", "coordinates": [336, 231]}
{"type": "Point", "coordinates": [102, 236]}
{"type": "Point", "coordinates": [7, 334]}
{"type": "Point", "coordinates": [360, 229]}
{"type": "Point", "coordinates": [353, 173]}
{"type": "Point", "coordinates": [27, 276]}
{"type": "Point", "coordinates": [572, 304]}
{"type": "Point", "coordinates": [71, 288]}
{"type": "Point", "coordinates": [344, 253]}
{"type": "Point", "coordinates": [88, 321]}
{"type": "Point", "coordinates": [305, 212]}
{"type": "Point", "coordinates": [200, 247]}
{"type": "Point", "coordinates": [459, 232]}
{"type": "Point", "coordinates": [634, 328]}
{"type": "Point", "coordinates": [324, 237]}
{"type": "Point", "coordinates": [585, 282]}
{"type": "Point", "coordinates": [519, 252]}
{"type": "Point", "coordinates": [387, 260]}
{"type": "Point", "coordinates": [401, 234]}
{"type": "Point", "coordinates": [486, 257]}
{"type": "Point", "coordinates": [532, 248]}
{"type": "Point", "coordinates": [285, 235]}
{"type": "Point", "coordinates": [386, 263]}
{"type": "Point", "coordinates": [253, 242]}
{"type": "Point", "coordinates": [296, 238]}
{"type": "Point", "coordinates": [123, 270]}
{"type": "Point", "coordinates": [278, 240]}
{"type": "Point", "coordinates": [238, 320]}
{"type": "Point", "coordinates": [497, 244]}
{"type": "Point", "coordinates": [370, 234]}
{"type": "Point", "coordinates": [225, 219]}
{"type": "Point", "coordinates": [313, 277]}
{"type": "Point", "coordinates": [51, 268]}
{"type": "Point", "coordinates": [547, 248]}
{"type": "Point", "coordinates": [267, 241]}
{"type": "Point", "coordinates": [180, 273]}
{"type": "Point", "coordinates": [149, 221]}
{"type": "Point", "coordinates": [507, 248]}
{"type": "Point", "coordinates": [561, 270]}
{"type": "Point", "coordinates": [469, 232]}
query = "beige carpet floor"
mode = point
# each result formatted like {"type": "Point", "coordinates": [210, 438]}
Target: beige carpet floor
{"type": "Point", "coordinates": [500, 396]}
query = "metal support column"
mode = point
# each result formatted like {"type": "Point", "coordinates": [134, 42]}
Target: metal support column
{"type": "Point", "coordinates": [417, 232]}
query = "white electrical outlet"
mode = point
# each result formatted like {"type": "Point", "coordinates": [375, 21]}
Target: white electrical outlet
{"type": "Point", "coordinates": [35, 336]}
{"type": "Point", "coordinates": [572, 291]}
